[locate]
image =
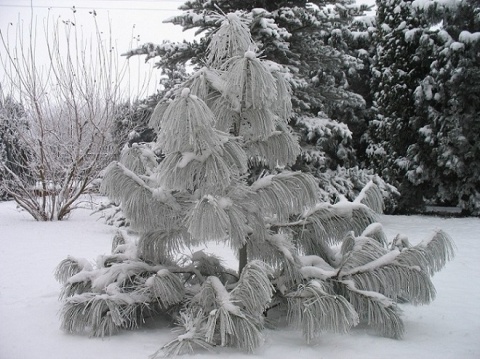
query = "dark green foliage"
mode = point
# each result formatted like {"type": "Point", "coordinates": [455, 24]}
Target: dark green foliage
{"type": "Point", "coordinates": [13, 155]}
{"type": "Point", "coordinates": [396, 72]}
{"type": "Point", "coordinates": [446, 157]}
{"type": "Point", "coordinates": [425, 90]}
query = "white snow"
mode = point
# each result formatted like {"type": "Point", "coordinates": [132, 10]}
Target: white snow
{"type": "Point", "coordinates": [382, 261]}
{"type": "Point", "coordinates": [467, 37]}
{"type": "Point", "coordinates": [425, 4]}
{"type": "Point", "coordinates": [29, 323]}
{"type": "Point", "coordinates": [372, 229]}
{"type": "Point", "coordinates": [188, 157]}
{"type": "Point", "coordinates": [262, 182]}
{"type": "Point", "coordinates": [225, 202]}
{"type": "Point", "coordinates": [410, 34]}
{"type": "Point", "coordinates": [457, 46]}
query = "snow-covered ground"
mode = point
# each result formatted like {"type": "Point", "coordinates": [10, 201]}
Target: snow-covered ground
{"type": "Point", "coordinates": [29, 323]}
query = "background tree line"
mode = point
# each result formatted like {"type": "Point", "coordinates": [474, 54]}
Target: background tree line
{"type": "Point", "coordinates": [394, 94]}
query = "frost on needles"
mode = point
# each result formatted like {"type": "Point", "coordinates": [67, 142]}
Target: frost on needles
{"type": "Point", "coordinates": [223, 176]}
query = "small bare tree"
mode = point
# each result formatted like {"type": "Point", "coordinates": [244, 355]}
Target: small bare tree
{"type": "Point", "coordinates": [70, 105]}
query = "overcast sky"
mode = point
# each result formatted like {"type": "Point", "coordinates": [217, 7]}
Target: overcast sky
{"type": "Point", "coordinates": [132, 23]}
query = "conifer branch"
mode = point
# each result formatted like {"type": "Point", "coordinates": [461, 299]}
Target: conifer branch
{"type": "Point", "coordinates": [190, 332]}
{"type": "Point", "coordinates": [285, 194]}
{"type": "Point", "coordinates": [313, 310]}
{"type": "Point", "coordinates": [159, 247]}
{"type": "Point", "coordinates": [69, 267]}
{"type": "Point", "coordinates": [254, 290]}
{"type": "Point", "coordinates": [166, 288]}
{"type": "Point", "coordinates": [372, 197]}
{"type": "Point", "coordinates": [375, 309]}
{"type": "Point", "coordinates": [231, 39]}
{"type": "Point", "coordinates": [431, 254]}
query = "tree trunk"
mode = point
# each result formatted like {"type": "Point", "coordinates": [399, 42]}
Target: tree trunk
{"type": "Point", "coordinates": [242, 259]}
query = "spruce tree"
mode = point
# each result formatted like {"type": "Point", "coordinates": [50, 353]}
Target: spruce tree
{"type": "Point", "coordinates": [328, 267]}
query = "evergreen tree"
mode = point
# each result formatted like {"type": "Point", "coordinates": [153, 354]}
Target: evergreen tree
{"type": "Point", "coordinates": [425, 89]}
{"type": "Point", "coordinates": [12, 154]}
{"type": "Point", "coordinates": [328, 267]}
{"type": "Point", "coordinates": [446, 158]}
{"type": "Point", "coordinates": [310, 40]}
{"type": "Point", "coordinates": [396, 72]}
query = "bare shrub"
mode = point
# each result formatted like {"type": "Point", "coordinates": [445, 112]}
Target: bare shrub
{"type": "Point", "coordinates": [70, 105]}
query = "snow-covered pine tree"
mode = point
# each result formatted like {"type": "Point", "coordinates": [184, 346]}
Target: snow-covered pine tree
{"type": "Point", "coordinates": [327, 267]}
{"type": "Point", "coordinates": [310, 40]}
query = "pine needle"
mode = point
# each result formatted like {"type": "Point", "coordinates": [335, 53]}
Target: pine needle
{"type": "Point", "coordinates": [278, 251]}
{"type": "Point", "coordinates": [279, 149]}
{"type": "Point", "coordinates": [240, 331]}
{"type": "Point", "coordinates": [235, 155]}
{"type": "Point", "coordinates": [313, 240]}
{"type": "Point", "coordinates": [207, 173]}
{"type": "Point", "coordinates": [327, 224]}
{"type": "Point", "coordinates": [365, 250]}
{"type": "Point", "coordinates": [283, 105]}
{"type": "Point", "coordinates": [313, 310]}
{"type": "Point", "coordinates": [358, 215]}
{"type": "Point", "coordinates": [191, 122]}
{"type": "Point", "coordinates": [239, 227]}
{"type": "Point", "coordinates": [431, 254]}
{"type": "Point", "coordinates": [148, 212]}
{"type": "Point", "coordinates": [208, 220]}
{"type": "Point", "coordinates": [254, 290]}
{"type": "Point", "coordinates": [227, 323]}
{"type": "Point", "coordinates": [118, 240]}
{"type": "Point", "coordinates": [348, 243]}
{"type": "Point", "coordinates": [69, 267]}
{"type": "Point", "coordinates": [375, 231]}
{"type": "Point", "coordinates": [100, 315]}
{"type": "Point", "coordinates": [323, 224]}
{"type": "Point", "coordinates": [118, 182]}
{"type": "Point", "coordinates": [257, 124]}
{"type": "Point", "coordinates": [123, 274]}
{"type": "Point", "coordinates": [375, 309]}
{"type": "Point", "coordinates": [208, 264]}
{"type": "Point", "coordinates": [439, 249]}
{"type": "Point", "coordinates": [372, 197]}
{"type": "Point", "coordinates": [139, 160]}
{"type": "Point", "coordinates": [155, 121]}
{"type": "Point", "coordinates": [250, 86]}
{"type": "Point", "coordinates": [285, 194]}
{"type": "Point", "coordinates": [200, 84]}
{"type": "Point", "coordinates": [72, 288]}
{"type": "Point", "coordinates": [231, 39]}
{"type": "Point", "coordinates": [225, 116]}
{"type": "Point", "coordinates": [158, 247]}
{"type": "Point", "coordinates": [191, 334]}
{"type": "Point", "coordinates": [166, 288]}
{"type": "Point", "coordinates": [397, 282]}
